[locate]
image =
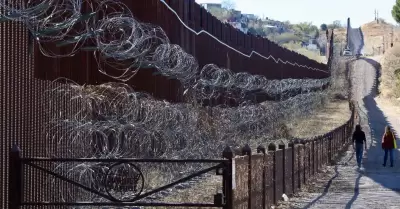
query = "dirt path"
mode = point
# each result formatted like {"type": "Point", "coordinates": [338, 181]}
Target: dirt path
{"type": "Point", "coordinates": [376, 186]}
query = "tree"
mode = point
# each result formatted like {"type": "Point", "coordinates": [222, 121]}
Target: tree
{"type": "Point", "coordinates": [252, 31]}
{"type": "Point", "coordinates": [220, 14]}
{"type": "Point", "coordinates": [396, 11]}
{"type": "Point", "coordinates": [335, 24]}
{"type": "Point", "coordinates": [228, 4]}
{"type": "Point", "coordinates": [324, 26]}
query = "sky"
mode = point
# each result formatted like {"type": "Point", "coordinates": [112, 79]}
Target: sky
{"type": "Point", "coordinates": [316, 11]}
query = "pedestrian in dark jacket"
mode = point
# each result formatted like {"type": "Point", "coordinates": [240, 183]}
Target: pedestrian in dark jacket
{"type": "Point", "coordinates": [358, 141]}
{"type": "Point", "coordinates": [388, 144]}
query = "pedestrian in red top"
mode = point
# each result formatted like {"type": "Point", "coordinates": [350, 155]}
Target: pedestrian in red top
{"type": "Point", "coordinates": [388, 144]}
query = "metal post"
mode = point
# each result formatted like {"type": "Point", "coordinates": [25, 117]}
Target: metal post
{"type": "Point", "coordinates": [228, 177]}
{"type": "Point", "coordinates": [293, 146]}
{"type": "Point", "coordinates": [15, 178]}
{"type": "Point", "coordinates": [247, 151]}
{"type": "Point", "coordinates": [261, 149]}
{"type": "Point", "coordinates": [330, 147]}
{"type": "Point", "coordinates": [282, 147]}
{"type": "Point", "coordinates": [272, 149]}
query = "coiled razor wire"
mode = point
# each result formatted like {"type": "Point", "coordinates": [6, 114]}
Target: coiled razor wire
{"type": "Point", "coordinates": [108, 28]}
{"type": "Point", "coordinates": [116, 122]}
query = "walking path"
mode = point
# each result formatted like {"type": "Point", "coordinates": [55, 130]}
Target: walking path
{"type": "Point", "coordinates": [375, 186]}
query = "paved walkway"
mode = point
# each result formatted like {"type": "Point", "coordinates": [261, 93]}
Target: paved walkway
{"type": "Point", "coordinates": [375, 186]}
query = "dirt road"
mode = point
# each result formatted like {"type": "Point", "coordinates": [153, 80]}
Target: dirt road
{"type": "Point", "coordinates": [375, 186]}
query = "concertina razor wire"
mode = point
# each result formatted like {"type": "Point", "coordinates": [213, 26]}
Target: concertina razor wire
{"type": "Point", "coordinates": [117, 122]}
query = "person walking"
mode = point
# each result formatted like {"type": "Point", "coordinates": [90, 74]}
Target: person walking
{"type": "Point", "coordinates": [388, 144]}
{"type": "Point", "coordinates": [359, 141]}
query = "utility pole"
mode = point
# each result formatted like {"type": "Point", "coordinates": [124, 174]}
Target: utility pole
{"type": "Point", "coordinates": [377, 16]}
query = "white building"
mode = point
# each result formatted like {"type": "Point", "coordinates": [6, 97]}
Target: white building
{"type": "Point", "coordinates": [238, 25]}
{"type": "Point", "coordinates": [207, 4]}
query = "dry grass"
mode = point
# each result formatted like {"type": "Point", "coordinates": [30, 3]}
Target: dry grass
{"type": "Point", "coordinates": [340, 35]}
{"type": "Point", "coordinates": [390, 75]}
{"type": "Point", "coordinates": [201, 193]}
{"type": "Point", "coordinates": [378, 37]}
{"type": "Point", "coordinates": [321, 121]}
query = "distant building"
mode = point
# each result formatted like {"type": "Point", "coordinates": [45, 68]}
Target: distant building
{"type": "Point", "coordinates": [239, 25]}
{"type": "Point", "coordinates": [250, 16]}
{"type": "Point", "coordinates": [208, 6]}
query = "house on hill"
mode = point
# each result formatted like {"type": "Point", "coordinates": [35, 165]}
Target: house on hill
{"type": "Point", "coordinates": [207, 4]}
{"type": "Point", "coordinates": [211, 5]}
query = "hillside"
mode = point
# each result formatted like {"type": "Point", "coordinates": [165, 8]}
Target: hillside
{"type": "Point", "coordinates": [378, 37]}
{"type": "Point", "coordinates": [304, 38]}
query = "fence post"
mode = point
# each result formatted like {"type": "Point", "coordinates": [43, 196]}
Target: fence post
{"type": "Point", "coordinates": [261, 149]}
{"type": "Point", "coordinates": [272, 148]}
{"type": "Point", "coordinates": [313, 157]}
{"type": "Point", "coordinates": [247, 151]}
{"type": "Point", "coordinates": [330, 147]}
{"type": "Point", "coordinates": [228, 177]}
{"type": "Point", "coordinates": [293, 146]}
{"type": "Point", "coordinates": [15, 178]}
{"type": "Point", "coordinates": [302, 175]}
{"type": "Point", "coordinates": [282, 147]}
{"type": "Point", "coordinates": [343, 135]}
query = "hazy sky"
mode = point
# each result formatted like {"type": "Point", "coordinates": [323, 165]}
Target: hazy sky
{"type": "Point", "coordinates": [316, 11]}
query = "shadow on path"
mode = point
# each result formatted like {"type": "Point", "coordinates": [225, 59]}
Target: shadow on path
{"type": "Point", "coordinates": [356, 192]}
{"type": "Point", "coordinates": [326, 189]}
{"type": "Point", "coordinates": [374, 155]}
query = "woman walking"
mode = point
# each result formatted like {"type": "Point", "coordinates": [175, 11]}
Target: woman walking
{"type": "Point", "coordinates": [359, 141]}
{"type": "Point", "coordinates": [388, 144]}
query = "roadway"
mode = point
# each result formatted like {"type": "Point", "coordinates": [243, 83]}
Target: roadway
{"type": "Point", "coordinates": [374, 186]}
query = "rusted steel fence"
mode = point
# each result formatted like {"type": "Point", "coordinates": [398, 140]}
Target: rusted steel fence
{"type": "Point", "coordinates": [24, 78]}
{"type": "Point", "coordinates": [83, 68]}
{"type": "Point", "coordinates": [261, 179]}
{"type": "Point", "coordinates": [24, 108]}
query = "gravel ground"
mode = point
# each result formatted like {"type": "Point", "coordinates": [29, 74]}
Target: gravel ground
{"type": "Point", "coordinates": [375, 186]}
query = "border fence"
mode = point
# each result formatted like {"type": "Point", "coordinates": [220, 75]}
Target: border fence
{"type": "Point", "coordinates": [279, 169]}
{"type": "Point", "coordinates": [190, 26]}
{"type": "Point", "coordinates": [25, 77]}
{"type": "Point", "coordinates": [249, 180]}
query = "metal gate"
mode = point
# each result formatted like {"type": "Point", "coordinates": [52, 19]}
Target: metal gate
{"type": "Point", "coordinates": [116, 186]}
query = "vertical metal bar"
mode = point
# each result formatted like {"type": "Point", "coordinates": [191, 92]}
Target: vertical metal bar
{"type": "Point", "coordinates": [264, 180]}
{"type": "Point", "coordinates": [247, 151]}
{"type": "Point", "coordinates": [293, 167]}
{"type": "Point", "coordinates": [284, 169]}
{"type": "Point", "coordinates": [275, 198]}
{"type": "Point", "coordinates": [15, 178]}
{"type": "Point", "coordinates": [228, 177]}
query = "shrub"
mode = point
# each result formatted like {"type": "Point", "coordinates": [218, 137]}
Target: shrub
{"type": "Point", "coordinates": [390, 75]}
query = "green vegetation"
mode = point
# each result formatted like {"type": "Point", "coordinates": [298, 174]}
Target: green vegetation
{"type": "Point", "coordinates": [228, 4]}
{"type": "Point", "coordinates": [390, 75]}
{"type": "Point", "coordinates": [283, 33]}
{"type": "Point", "coordinates": [315, 55]}
{"type": "Point", "coordinates": [324, 27]}
{"type": "Point", "coordinates": [396, 11]}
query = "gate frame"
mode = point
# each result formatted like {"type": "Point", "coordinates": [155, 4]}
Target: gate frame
{"type": "Point", "coordinates": [16, 187]}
